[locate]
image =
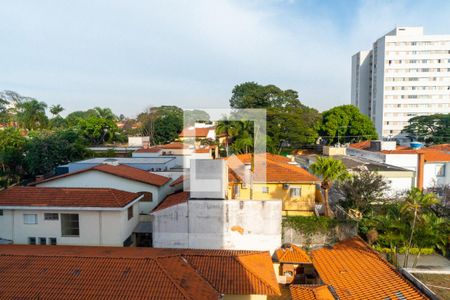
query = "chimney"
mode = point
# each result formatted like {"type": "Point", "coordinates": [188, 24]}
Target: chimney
{"type": "Point", "coordinates": [420, 169]}
{"type": "Point", "coordinates": [39, 178]}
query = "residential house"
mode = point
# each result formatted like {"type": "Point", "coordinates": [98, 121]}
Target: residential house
{"type": "Point", "coordinates": [71, 272]}
{"type": "Point", "coordinates": [399, 179]}
{"type": "Point", "coordinates": [430, 165]}
{"type": "Point", "coordinates": [117, 176]}
{"type": "Point", "coordinates": [281, 179]}
{"type": "Point", "coordinates": [352, 270]}
{"type": "Point", "coordinates": [194, 135]}
{"type": "Point", "coordinates": [293, 265]}
{"type": "Point", "coordinates": [204, 217]}
{"type": "Point", "coordinates": [68, 216]}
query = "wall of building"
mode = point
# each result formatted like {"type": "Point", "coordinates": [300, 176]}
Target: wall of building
{"type": "Point", "coordinates": [97, 179]}
{"type": "Point", "coordinates": [219, 224]}
{"type": "Point", "coordinates": [303, 205]}
{"type": "Point", "coordinates": [97, 228]}
{"type": "Point", "coordinates": [430, 178]}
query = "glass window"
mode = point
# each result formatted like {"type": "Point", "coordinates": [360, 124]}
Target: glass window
{"type": "Point", "coordinates": [1, 212]}
{"type": "Point", "coordinates": [51, 217]}
{"type": "Point", "coordinates": [236, 190]}
{"type": "Point", "coordinates": [130, 212]}
{"type": "Point", "coordinates": [42, 241]}
{"type": "Point", "coordinates": [32, 240]}
{"type": "Point", "coordinates": [52, 241]}
{"type": "Point", "coordinates": [265, 189]}
{"type": "Point", "coordinates": [440, 170]}
{"type": "Point", "coordinates": [30, 219]}
{"type": "Point", "coordinates": [70, 225]}
{"type": "Point", "coordinates": [296, 192]}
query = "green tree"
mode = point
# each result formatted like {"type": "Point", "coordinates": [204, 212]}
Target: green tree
{"type": "Point", "coordinates": [290, 124]}
{"type": "Point", "coordinates": [45, 150]}
{"type": "Point", "coordinates": [195, 115]}
{"type": "Point", "coordinates": [55, 110]}
{"type": "Point", "coordinates": [162, 124]}
{"type": "Point", "coordinates": [73, 118]}
{"type": "Point", "coordinates": [345, 123]}
{"type": "Point", "coordinates": [361, 190]}
{"type": "Point", "coordinates": [12, 145]}
{"type": "Point", "coordinates": [329, 170]}
{"type": "Point", "coordinates": [97, 130]}
{"type": "Point", "coordinates": [415, 206]}
{"type": "Point", "coordinates": [31, 115]}
{"type": "Point", "coordinates": [4, 115]}
{"type": "Point", "coordinates": [429, 129]}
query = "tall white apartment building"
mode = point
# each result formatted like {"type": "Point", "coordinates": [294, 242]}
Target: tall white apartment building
{"type": "Point", "coordinates": [405, 74]}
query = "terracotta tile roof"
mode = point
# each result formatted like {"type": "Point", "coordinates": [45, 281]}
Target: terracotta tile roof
{"type": "Point", "coordinates": [202, 150]}
{"type": "Point", "coordinates": [441, 147]}
{"type": "Point", "coordinates": [65, 197]}
{"type": "Point", "coordinates": [356, 271]}
{"type": "Point", "coordinates": [196, 132]}
{"type": "Point", "coordinates": [172, 199]}
{"type": "Point", "coordinates": [277, 167]}
{"type": "Point", "coordinates": [154, 149]}
{"type": "Point", "coordinates": [311, 292]}
{"type": "Point", "coordinates": [178, 181]}
{"type": "Point", "coordinates": [123, 171]}
{"type": "Point", "coordinates": [433, 155]}
{"type": "Point", "coordinates": [364, 145]}
{"type": "Point", "coordinates": [73, 272]}
{"type": "Point", "coordinates": [291, 253]}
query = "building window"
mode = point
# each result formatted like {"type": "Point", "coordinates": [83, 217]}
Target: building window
{"type": "Point", "coordinates": [236, 190]}
{"type": "Point", "coordinates": [51, 217]}
{"type": "Point", "coordinates": [1, 212]}
{"type": "Point", "coordinates": [70, 225]}
{"type": "Point", "coordinates": [30, 219]}
{"type": "Point", "coordinates": [265, 189]}
{"type": "Point", "coordinates": [52, 241]}
{"type": "Point", "coordinates": [147, 196]}
{"type": "Point", "coordinates": [42, 241]}
{"type": "Point", "coordinates": [32, 240]}
{"type": "Point", "coordinates": [130, 212]}
{"type": "Point", "coordinates": [440, 170]}
{"type": "Point", "coordinates": [296, 192]}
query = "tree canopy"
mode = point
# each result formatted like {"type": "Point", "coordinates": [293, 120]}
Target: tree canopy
{"type": "Point", "coordinates": [290, 124]}
{"type": "Point", "coordinates": [429, 129]}
{"type": "Point", "coordinates": [345, 124]}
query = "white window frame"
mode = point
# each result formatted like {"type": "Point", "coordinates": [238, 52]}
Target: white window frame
{"type": "Point", "coordinates": [440, 170]}
{"type": "Point", "coordinates": [27, 219]}
{"type": "Point", "coordinates": [295, 188]}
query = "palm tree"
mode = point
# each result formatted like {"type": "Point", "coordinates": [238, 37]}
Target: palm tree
{"type": "Point", "coordinates": [56, 109]}
{"type": "Point", "coordinates": [31, 114]}
{"type": "Point", "coordinates": [227, 128]}
{"type": "Point", "coordinates": [416, 204]}
{"type": "Point", "coordinates": [330, 170]}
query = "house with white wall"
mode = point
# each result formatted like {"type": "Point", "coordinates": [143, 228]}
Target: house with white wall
{"type": "Point", "coordinates": [204, 217]}
{"type": "Point", "coordinates": [68, 216]}
{"type": "Point", "coordinates": [117, 176]}
{"type": "Point", "coordinates": [431, 165]}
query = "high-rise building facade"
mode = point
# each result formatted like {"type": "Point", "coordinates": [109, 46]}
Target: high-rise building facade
{"type": "Point", "coordinates": [405, 74]}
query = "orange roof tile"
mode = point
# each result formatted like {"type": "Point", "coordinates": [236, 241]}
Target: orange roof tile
{"type": "Point", "coordinates": [123, 171]}
{"type": "Point", "coordinates": [277, 168]}
{"type": "Point", "coordinates": [291, 253]}
{"type": "Point", "coordinates": [74, 272]}
{"type": "Point", "coordinates": [178, 180]}
{"type": "Point", "coordinates": [65, 197]}
{"type": "Point", "coordinates": [441, 147]}
{"type": "Point", "coordinates": [172, 199]}
{"type": "Point", "coordinates": [311, 292]}
{"type": "Point", "coordinates": [432, 155]}
{"type": "Point", "coordinates": [361, 145]}
{"type": "Point", "coordinates": [196, 132]}
{"type": "Point", "coordinates": [356, 271]}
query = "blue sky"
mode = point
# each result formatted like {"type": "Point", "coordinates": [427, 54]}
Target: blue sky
{"type": "Point", "coordinates": [129, 55]}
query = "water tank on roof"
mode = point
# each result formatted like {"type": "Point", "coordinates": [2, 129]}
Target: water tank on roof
{"type": "Point", "coordinates": [416, 145]}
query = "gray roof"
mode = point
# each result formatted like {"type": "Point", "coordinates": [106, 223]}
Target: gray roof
{"type": "Point", "coordinates": [128, 160]}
